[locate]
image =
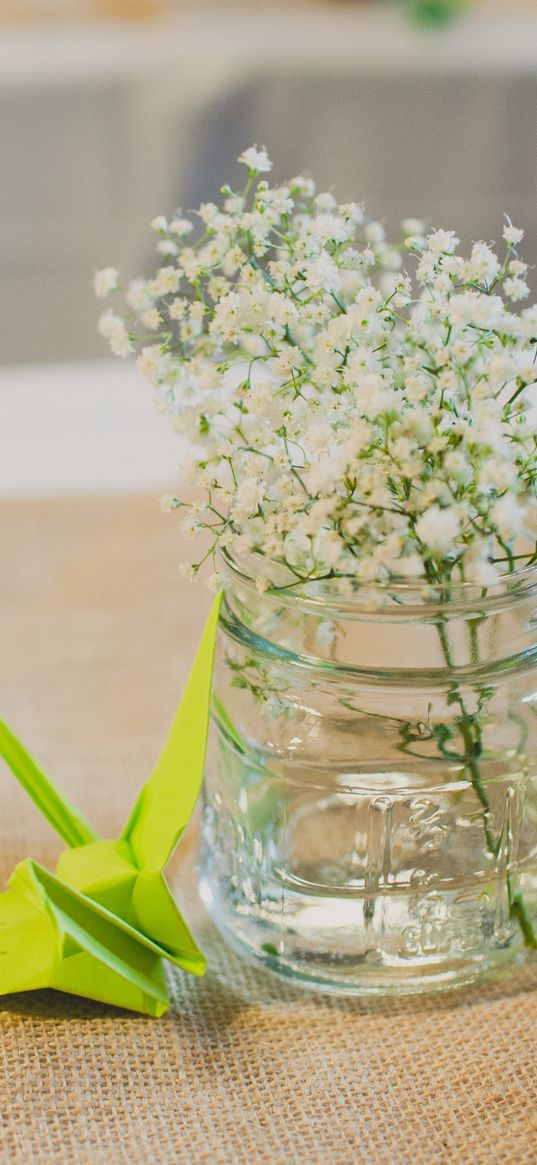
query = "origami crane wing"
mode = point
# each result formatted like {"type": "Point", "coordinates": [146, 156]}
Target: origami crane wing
{"type": "Point", "coordinates": [102, 925]}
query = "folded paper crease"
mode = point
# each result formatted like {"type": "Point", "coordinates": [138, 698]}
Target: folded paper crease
{"type": "Point", "coordinates": [103, 923]}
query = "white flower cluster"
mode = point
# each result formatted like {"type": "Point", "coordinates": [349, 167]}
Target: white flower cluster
{"type": "Point", "coordinates": [355, 413]}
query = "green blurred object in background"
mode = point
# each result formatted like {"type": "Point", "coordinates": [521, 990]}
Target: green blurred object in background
{"type": "Point", "coordinates": [434, 13]}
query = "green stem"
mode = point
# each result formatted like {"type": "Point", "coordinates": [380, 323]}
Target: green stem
{"type": "Point", "coordinates": [519, 911]}
{"type": "Point", "coordinates": [470, 729]}
{"type": "Point", "coordinates": [471, 734]}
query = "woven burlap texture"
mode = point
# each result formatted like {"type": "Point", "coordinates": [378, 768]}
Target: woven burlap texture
{"type": "Point", "coordinates": [97, 631]}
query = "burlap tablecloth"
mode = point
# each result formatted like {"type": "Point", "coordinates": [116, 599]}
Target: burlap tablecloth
{"type": "Point", "coordinates": [96, 632]}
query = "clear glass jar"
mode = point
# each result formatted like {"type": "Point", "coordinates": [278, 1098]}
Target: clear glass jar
{"type": "Point", "coordinates": [370, 813]}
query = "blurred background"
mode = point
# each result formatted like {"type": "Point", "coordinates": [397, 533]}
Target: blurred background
{"type": "Point", "coordinates": [112, 111]}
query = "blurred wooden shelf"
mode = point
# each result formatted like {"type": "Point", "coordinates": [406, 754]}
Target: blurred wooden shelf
{"type": "Point", "coordinates": [25, 11]}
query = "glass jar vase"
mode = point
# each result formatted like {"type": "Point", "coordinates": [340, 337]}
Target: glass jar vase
{"type": "Point", "coordinates": [370, 804]}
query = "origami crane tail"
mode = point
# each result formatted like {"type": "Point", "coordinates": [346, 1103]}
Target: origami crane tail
{"type": "Point", "coordinates": [28, 944]}
{"type": "Point", "coordinates": [165, 804]}
{"type": "Point", "coordinates": [71, 826]}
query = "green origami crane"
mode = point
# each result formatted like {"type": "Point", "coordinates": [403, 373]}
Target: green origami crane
{"type": "Point", "coordinates": [103, 923]}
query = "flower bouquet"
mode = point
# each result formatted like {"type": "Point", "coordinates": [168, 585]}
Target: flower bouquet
{"type": "Point", "coordinates": [364, 446]}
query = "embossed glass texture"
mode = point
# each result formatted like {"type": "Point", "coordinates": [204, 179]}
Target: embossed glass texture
{"type": "Point", "coordinates": [370, 813]}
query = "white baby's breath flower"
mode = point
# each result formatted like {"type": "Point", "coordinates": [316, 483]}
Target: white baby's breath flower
{"type": "Point", "coordinates": [413, 226]}
{"type": "Point", "coordinates": [480, 311]}
{"type": "Point", "coordinates": [187, 570]}
{"type": "Point", "coordinates": [512, 235]}
{"type": "Point", "coordinates": [496, 474]}
{"type": "Point", "coordinates": [148, 362]}
{"type": "Point", "coordinates": [151, 318]}
{"type": "Point", "coordinates": [517, 267]}
{"type": "Point", "coordinates": [325, 201]}
{"type": "Point", "coordinates": [208, 213]}
{"type": "Point", "coordinates": [167, 247]}
{"type": "Point", "coordinates": [109, 323]}
{"type": "Point", "coordinates": [137, 295]}
{"type": "Point", "coordinates": [256, 159]}
{"type": "Point", "coordinates": [353, 211]}
{"type": "Point", "coordinates": [442, 242]}
{"type": "Point", "coordinates": [455, 462]}
{"type": "Point", "coordinates": [159, 224]}
{"type": "Point", "coordinates": [105, 281]}
{"type": "Point", "coordinates": [516, 289]}
{"type": "Point", "coordinates": [113, 329]}
{"type": "Point", "coordinates": [482, 266]}
{"type": "Point", "coordinates": [482, 572]}
{"type": "Point", "coordinates": [177, 308]}
{"type": "Point", "coordinates": [166, 281]}
{"type": "Point", "coordinates": [303, 185]}
{"type": "Point", "coordinates": [374, 232]}
{"type": "Point", "coordinates": [438, 529]}
{"type": "Point", "coordinates": [181, 226]}
{"type": "Point", "coordinates": [415, 243]}
{"type": "Point", "coordinates": [346, 420]}
{"type": "Point", "coordinates": [417, 388]}
{"type": "Point", "coordinates": [214, 582]}
{"type": "Point", "coordinates": [508, 517]}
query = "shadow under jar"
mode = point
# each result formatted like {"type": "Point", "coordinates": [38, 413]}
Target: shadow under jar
{"type": "Point", "coordinates": [370, 804]}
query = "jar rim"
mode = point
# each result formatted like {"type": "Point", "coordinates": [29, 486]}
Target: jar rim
{"type": "Point", "coordinates": [411, 597]}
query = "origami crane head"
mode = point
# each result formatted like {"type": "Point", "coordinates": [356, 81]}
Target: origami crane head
{"type": "Point", "coordinates": [103, 923]}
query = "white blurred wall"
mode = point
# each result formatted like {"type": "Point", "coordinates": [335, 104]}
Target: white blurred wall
{"type": "Point", "coordinates": [103, 126]}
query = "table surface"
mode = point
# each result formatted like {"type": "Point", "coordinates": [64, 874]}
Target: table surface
{"type": "Point", "coordinates": [97, 633]}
